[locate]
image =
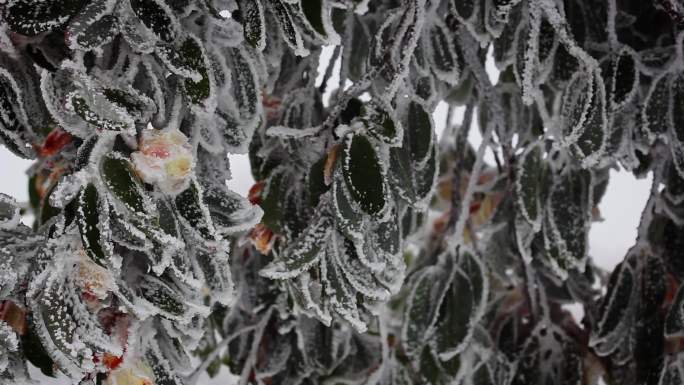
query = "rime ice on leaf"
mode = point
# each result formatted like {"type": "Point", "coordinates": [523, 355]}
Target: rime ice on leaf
{"type": "Point", "coordinates": [565, 226]}
{"type": "Point", "coordinates": [363, 174]}
{"type": "Point", "coordinates": [254, 24]}
{"type": "Point", "coordinates": [9, 213]}
{"type": "Point", "coordinates": [528, 186]}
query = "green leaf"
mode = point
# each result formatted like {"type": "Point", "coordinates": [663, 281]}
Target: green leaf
{"type": "Point", "coordinates": [442, 54]}
{"type": "Point", "coordinates": [413, 183]}
{"type": "Point", "coordinates": [528, 185]}
{"type": "Point", "coordinates": [253, 24]}
{"type": "Point", "coordinates": [122, 182]}
{"type": "Point", "coordinates": [190, 205]}
{"type": "Point", "coordinates": [348, 218]}
{"type": "Point", "coordinates": [614, 309]}
{"type": "Point", "coordinates": [162, 296]}
{"type": "Point", "coordinates": [289, 29]}
{"type": "Point", "coordinates": [353, 109]}
{"type": "Point", "coordinates": [305, 250]}
{"type": "Point", "coordinates": [316, 181]}
{"type": "Point", "coordinates": [187, 59]}
{"type": "Point", "coordinates": [621, 79]}
{"type": "Point", "coordinates": [273, 200]}
{"type": "Point", "coordinates": [420, 132]}
{"type": "Point", "coordinates": [88, 217]}
{"type": "Point", "coordinates": [314, 12]}
{"type": "Point", "coordinates": [136, 104]}
{"type": "Point", "coordinates": [465, 9]}
{"type": "Point", "coordinates": [576, 105]}
{"type": "Point", "coordinates": [456, 316]}
{"type": "Point", "coordinates": [9, 211]}
{"type": "Point", "coordinates": [566, 225]}
{"type": "Point", "coordinates": [591, 143]}
{"type": "Point", "coordinates": [363, 174]}
{"type": "Point", "coordinates": [656, 112]}
{"type": "Point", "coordinates": [34, 351]}
{"type": "Point", "coordinates": [30, 17]}
{"type": "Point", "coordinates": [88, 114]}
{"type": "Point", "coordinates": [158, 17]}
{"type": "Point", "coordinates": [93, 26]}
{"type": "Point", "coordinates": [423, 304]}
{"type": "Point", "coordinates": [164, 373]}
{"type": "Point", "coordinates": [197, 90]}
{"type": "Point", "coordinates": [13, 118]}
{"type": "Point", "coordinates": [245, 84]}
{"type": "Point", "coordinates": [230, 212]}
{"type": "Point", "coordinates": [678, 107]}
{"type": "Point", "coordinates": [356, 61]}
{"type": "Point", "coordinates": [381, 124]}
{"type": "Point", "coordinates": [359, 276]}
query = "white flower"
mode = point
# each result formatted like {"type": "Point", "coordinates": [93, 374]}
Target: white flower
{"type": "Point", "coordinates": [165, 160]}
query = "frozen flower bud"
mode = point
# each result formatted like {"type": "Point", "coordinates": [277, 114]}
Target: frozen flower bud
{"type": "Point", "coordinates": [95, 281]}
{"type": "Point", "coordinates": [137, 373]}
{"type": "Point", "coordinates": [164, 159]}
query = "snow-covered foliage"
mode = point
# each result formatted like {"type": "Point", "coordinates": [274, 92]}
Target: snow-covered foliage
{"type": "Point", "coordinates": [368, 251]}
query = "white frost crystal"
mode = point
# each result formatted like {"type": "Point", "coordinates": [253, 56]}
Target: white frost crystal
{"type": "Point", "coordinates": [164, 159]}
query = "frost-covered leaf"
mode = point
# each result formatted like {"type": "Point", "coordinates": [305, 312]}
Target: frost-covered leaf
{"type": "Point", "coordinates": [359, 275]}
{"type": "Point", "coordinates": [382, 123]}
{"type": "Point", "coordinates": [621, 79]}
{"type": "Point", "coordinates": [158, 17]}
{"type": "Point", "coordinates": [94, 26]}
{"type": "Point", "coordinates": [55, 324]}
{"type": "Point", "coordinates": [590, 144]}
{"type": "Point", "coordinates": [528, 185]}
{"type": "Point", "coordinates": [413, 183]}
{"type": "Point", "coordinates": [245, 86]}
{"type": "Point", "coordinates": [167, 299]}
{"type": "Point", "coordinates": [614, 310]}
{"type": "Point", "coordinates": [9, 212]}
{"type": "Point", "coordinates": [419, 126]}
{"type": "Point", "coordinates": [348, 215]}
{"type": "Point", "coordinates": [549, 356]}
{"type": "Point", "coordinates": [13, 117]}
{"type": "Point", "coordinates": [565, 227]}
{"type": "Point", "coordinates": [464, 10]}
{"type": "Point", "coordinates": [461, 308]}
{"type": "Point", "coordinates": [317, 15]}
{"type": "Point", "coordinates": [442, 54]}
{"type": "Point", "coordinates": [364, 174]}
{"type": "Point", "coordinates": [31, 18]}
{"type": "Point", "coordinates": [92, 224]}
{"type": "Point", "coordinates": [303, 253]}
{"type": "Point", "coordinates": [290, 30]}
{"type": "Point", "coordinates": [577, 105]}
{"type": "Point", "coordinates": [423, 303]}
{"type": "Point", "coordinates": [191, 206]}
{"type": "Point", "coordinates": [230, 212]}
{"type": "Point", "coordinates": [162, 369]}
{"type": "Point", "coordinates": [254, 24]}
{"type": "Point", "coordinates": [657, 109]}
{"type": "Point", "coordinates": [187, 59]}
{"type": "Point", "coordinates": [341, 294]}
{"type": "Point", "coordinates": [119, 177]}
{"type": "Point", "coordinates": [355, 63]}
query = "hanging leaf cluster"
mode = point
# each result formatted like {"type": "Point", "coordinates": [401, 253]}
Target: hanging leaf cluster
{"type": "Point", "coordinates": [380, 243]}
